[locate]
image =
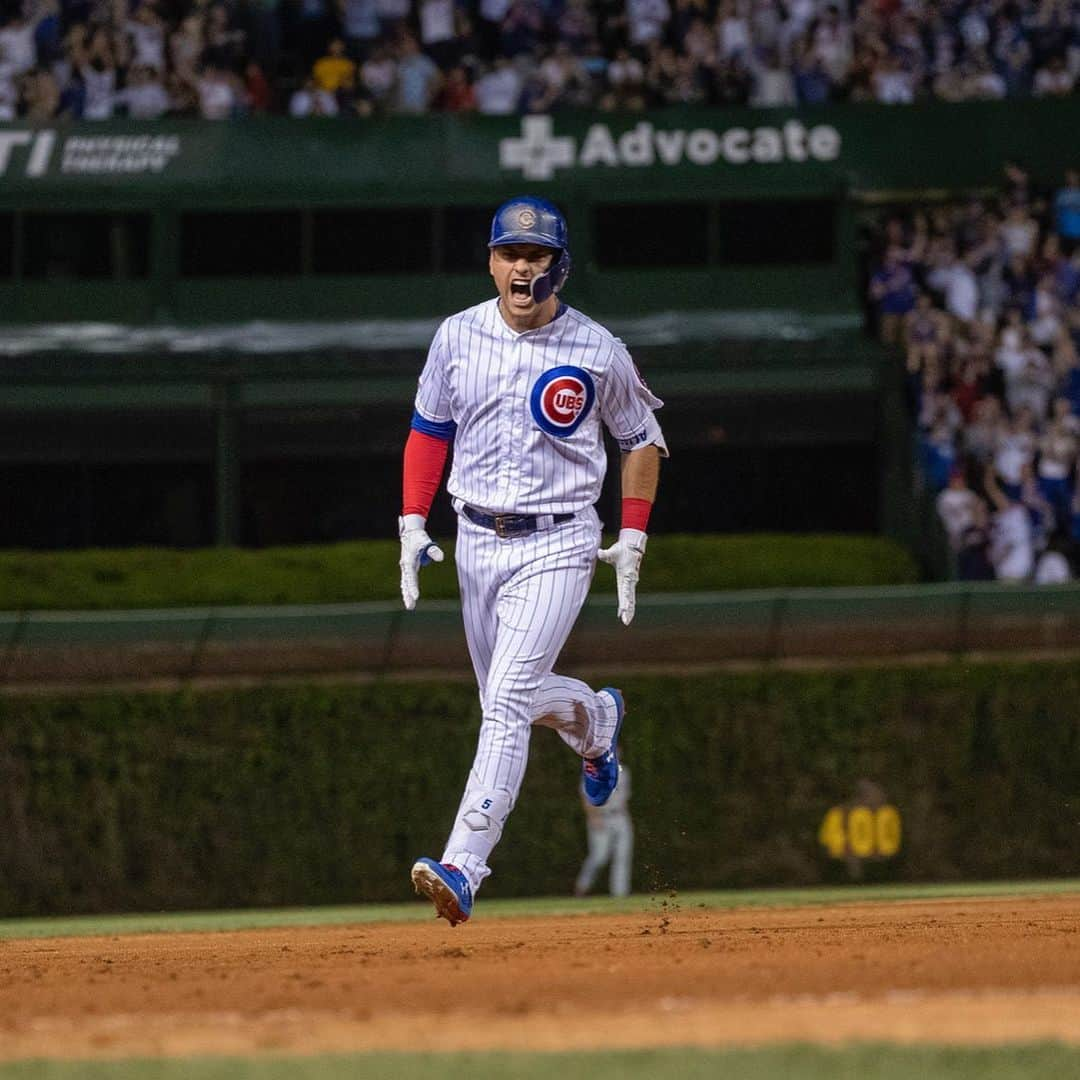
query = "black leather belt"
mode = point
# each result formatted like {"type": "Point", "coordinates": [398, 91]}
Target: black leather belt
{"type": "Point", "coordinates": [508, 525]}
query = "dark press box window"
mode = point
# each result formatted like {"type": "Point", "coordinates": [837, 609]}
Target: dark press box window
{"type": "Point", "coordinates": [651, 234]}
{"type": "Point", "coordinates": [655, 235]}
{"type": "Point", "coordinates": [465, 233]}
{"type": "Point", "coordinates": [785, 232]}
{"type": "Point", "coordinates": [372, 241]}
{"type": "Point", "coordinates": [85, 245]}
{"type": "Point", "coordinates": [7, 245]}
{"type": "Point", "coordinates": [241, 244]}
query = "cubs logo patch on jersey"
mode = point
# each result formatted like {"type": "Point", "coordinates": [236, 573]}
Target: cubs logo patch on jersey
{"type": "Point", "coordinates": [561, 399]}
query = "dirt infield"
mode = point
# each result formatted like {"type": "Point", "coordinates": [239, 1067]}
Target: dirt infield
{"type": "Point", "coordinates": [976, 971]}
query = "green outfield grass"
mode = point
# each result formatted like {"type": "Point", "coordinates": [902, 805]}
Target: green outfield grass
{"type": "Point", "coordinates": [417, 910]}
{"type": "Point", "coordinates": [867, 1062]}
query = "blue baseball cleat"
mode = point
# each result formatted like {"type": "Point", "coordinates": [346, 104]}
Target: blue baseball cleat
{"type": "Point", "coordinates": [602, 773]}
{"type": "Point", "coordinates": [446, 887]}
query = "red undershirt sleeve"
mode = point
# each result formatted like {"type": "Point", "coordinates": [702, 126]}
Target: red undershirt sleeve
{"type": "Point", "coordinates": [424, 461]}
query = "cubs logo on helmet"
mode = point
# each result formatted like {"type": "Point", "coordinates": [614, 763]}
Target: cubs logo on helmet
{"type": "Point", "coordinates": [561, 399]}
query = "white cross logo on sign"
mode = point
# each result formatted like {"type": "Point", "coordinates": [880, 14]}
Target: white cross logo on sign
{"type": "Point", "coordinates": [538, 152]}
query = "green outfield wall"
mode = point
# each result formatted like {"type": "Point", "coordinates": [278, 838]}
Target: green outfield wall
{"type": "Point", "coordinates": [297, 795]}
{"type": "Point", "coordinates": [380, 639]}
{"type": "Point", "coordinates": [684, 208]}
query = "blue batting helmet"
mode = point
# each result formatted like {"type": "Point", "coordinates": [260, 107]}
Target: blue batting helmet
{"type": "Point", "coordinates": [529, 220]}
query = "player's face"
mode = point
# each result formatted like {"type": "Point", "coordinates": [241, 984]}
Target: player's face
{"type": "Point", "coordinates": [513, 266]}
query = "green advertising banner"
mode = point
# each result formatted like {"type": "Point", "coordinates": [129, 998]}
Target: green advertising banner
{"type": "Point", "coordinates": [719, 153]}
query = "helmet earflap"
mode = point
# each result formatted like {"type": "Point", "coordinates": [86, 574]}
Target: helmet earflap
{"type": "Point", "coordinates": [553, 279]}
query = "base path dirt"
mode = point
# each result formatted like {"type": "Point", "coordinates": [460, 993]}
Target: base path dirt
{"type": "Point", "coordinates": [973, 971]}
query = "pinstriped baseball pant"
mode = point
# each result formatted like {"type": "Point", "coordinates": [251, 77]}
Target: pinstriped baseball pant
{"type": "Point", "coordinates": [520, 599]}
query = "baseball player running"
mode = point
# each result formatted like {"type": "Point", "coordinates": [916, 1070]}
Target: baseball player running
{"type": "Point", "coordinates": [521, 384]}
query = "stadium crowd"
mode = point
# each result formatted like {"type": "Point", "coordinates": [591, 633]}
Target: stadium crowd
{"type": "Point", "coordinates": [984, 299]}
{"type": "Point", "coordinates": [95, 59]}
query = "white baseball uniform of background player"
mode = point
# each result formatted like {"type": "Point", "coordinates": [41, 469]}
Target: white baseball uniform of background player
{"type": "Point", "coordinates": [523, 387]}
{"type": "Point", "coordinates": [611, 840]}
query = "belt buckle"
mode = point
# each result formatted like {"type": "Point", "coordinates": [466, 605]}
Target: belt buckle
{"type": "Point", "coordinates": [502, 526]}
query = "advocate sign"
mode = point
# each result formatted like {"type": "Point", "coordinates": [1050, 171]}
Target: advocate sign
{"type": "Point", "coordinates": [538, 152]}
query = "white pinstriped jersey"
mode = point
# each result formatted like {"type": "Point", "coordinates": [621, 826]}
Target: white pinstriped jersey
{"type": "Point", "coordinates": [525, 408]}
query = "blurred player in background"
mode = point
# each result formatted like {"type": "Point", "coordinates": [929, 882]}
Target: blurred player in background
{"type": "Point", "coordinates": [611, 839]}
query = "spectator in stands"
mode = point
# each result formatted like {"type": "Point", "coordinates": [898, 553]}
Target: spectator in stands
{"type": "Point", "coordinates": [418, 79]}
{"type": "Point", "coordinates": [576, 26]}
{"type": "Point", "coordinates": [9, 97]}
{"type": "Point", "coordinates": [18, 50]}
{"type": "Point", "coordinates": [567, 82]}
{"type": "Point", "coordinates": [1032, 387]}
{"type": "Point", "coordinates": [335, 69]}
{"type": "Point", "coordinates": [359, 27]}
{"type": "Point", "coordinates": [221, 94]}
{"type": "Point", "coordinates": [647, 20]}
{"type": "Point", "coordinates": [186, 47]}
{"type": "Point", "coordinates": [310, 100]}
{"type": "Point", "coordinates": [959, 508]}
{"type": "Point", "coordinates": [732, 82]}
{"type": "Point", "coordinates": [1046, 322]}
{"type": "Point", "coordinates": [1052, 566]}
{"type": "Point", "coordinates": [1015, 452]}
{"type": "Point", "coordinates": [689, 86]}
{"type": "Point", "coordinates": [662, 76]}
{"type": "Point", "coordinates": [893, 83]}
{"type": "Point", "coordinates": [392, 15]}
{"type": "Point", "coordinates": [40, 95]}
{"type": "Point", "coordinates": [1067, 212]}
{"type": "Point", "coordinates": [926, 331]}
{"type": "Point", "coordinates": [1012, 551]}
{"type": "Point", "coordinates": [969, 382]}
{"type": "Point", "coordinates": [626, 83]}
{"type": "Point", "coordinates": [1019, 231]}
{"type": "Point", "coordinates": [774, 85]}
{"type": "Point", "coordinates": [892, 291]}
{"type": "Point", "coordinates": [498, 90]}
{"type": "Point", "coordinates": [1054, 79]}
{"type": "Point", "coordinates": [831, 40]}
{"type": "Point", "coordinates": [224, 43]}
{"type": "Point", "coordinates": [438, 31]}
{"type": "Point", "coordinates": [939, 424]}
{"type": "Point", "coordinates": [522, 28]}
{"type": "Point", "coordinates": [378, 76]}
{"type": "Point", "coordinates": [457, 94]}
{"type": "Point", "coordinates": [258, 95]}
{"type": "Point", "coordinates": [983, 434]}
{"type": "Point", "coordinates": [147, 30]}
{"type": "Point", "coordinates": [955, 278]}
{"type": "Point", "coordinates": [812, 83]}
{"type": "Point", "coordinates": [145, 96]}
{"type": "Point", "coordinates": [733, 40]}
{"type": "Point", "coordinates": [95, 63]}
{"type": "Point", "coordinates": [1058, 448]}
{"type": "Point", "coordinates": [973, 559]}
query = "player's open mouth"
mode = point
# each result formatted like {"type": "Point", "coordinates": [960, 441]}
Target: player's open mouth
{"type": "Point", "coordinates": [519, 290]}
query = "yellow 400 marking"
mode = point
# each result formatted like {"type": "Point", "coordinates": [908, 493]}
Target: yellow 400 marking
{"type": "Point", "coordinates": [861, 831]}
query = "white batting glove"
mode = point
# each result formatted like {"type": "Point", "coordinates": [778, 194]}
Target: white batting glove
{"type": "Point", "coordinates": [417, 549]}
{"type": "Point", "coordinates": [626, 555]}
